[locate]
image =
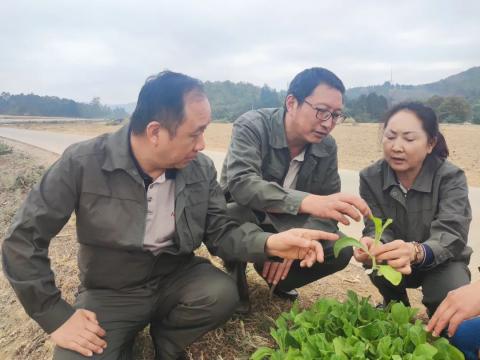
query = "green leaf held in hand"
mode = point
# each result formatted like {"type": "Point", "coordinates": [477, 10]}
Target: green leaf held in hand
{"type": "Point", "coordinates": [347, 241]}
{"type": "Point", "coordinates": [392, 275]}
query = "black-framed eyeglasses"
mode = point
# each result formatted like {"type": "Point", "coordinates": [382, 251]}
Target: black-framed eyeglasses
{"type": "Point", "coordinates": [324, 114]}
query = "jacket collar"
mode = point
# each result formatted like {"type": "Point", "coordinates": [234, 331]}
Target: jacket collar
{"type": "Point", "coordinates": [278, 137]}
{"type": "Point", "coordinates": [117, 151]}
{"type": "Point", "coordinates": [424, 180]}
{"type": "Point", "coordinates": [119, 154]}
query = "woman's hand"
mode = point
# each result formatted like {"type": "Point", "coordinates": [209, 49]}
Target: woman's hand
{"type": "Point", "coordinates": [360, 255]}
{"type": "Point", "coordinates": [398, 254]}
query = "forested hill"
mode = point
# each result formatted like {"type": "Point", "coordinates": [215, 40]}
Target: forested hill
{"type": "Point", "coordinates": [465, 84]}
{"type": "Point", "coordinates": [456, 99]}
{"type": "Point", "coordinates": [35, 105]}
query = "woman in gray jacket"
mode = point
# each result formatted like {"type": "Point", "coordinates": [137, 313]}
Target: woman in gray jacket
{"type": "Point", "coordinates": [427, 198]}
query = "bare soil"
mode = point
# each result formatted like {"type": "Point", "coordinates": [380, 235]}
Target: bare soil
{"type": "Point", "coordinates": [358, 144]}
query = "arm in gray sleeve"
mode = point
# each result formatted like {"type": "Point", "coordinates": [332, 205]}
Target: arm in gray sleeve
{"type": "Point", "coordinates": [25, 250]}
{"type": "Point", "coordinates": [226, 238]}
{"type": "Point", "coordinates": [449, 229]}
{"type": "Point", "coordinates": [244, 177]}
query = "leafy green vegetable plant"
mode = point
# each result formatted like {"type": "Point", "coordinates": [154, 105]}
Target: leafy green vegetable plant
{"type": "Point", "coordinates": [392, 275]}
{"type": "Point", "coordinates": [354, 330]}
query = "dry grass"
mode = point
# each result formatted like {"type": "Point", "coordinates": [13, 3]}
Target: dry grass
{"type": "Point", "coordinates": [21, 338]}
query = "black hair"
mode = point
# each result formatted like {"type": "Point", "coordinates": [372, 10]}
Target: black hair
{"type": "Point", "coordinates": [305, 82]}
{"type": "Point", "coordinates": [429, 121]}
{"type": "Point", "coordinates": [161, 99]}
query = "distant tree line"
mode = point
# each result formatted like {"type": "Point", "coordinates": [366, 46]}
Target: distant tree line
{"type": "Point", "coordinates": [34, 105]}
{"type": "Point", "coordinates": [449, 109]}
{"type": "Point", "coordinates": [366, 108]}
{"type": "Point", "coordinates": [455, 109]}
{"type": "Point", "coordinates": [229, 100]}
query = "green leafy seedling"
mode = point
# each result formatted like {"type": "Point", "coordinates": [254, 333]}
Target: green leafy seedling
{"type": "Point", "coordinates": [392, 275]}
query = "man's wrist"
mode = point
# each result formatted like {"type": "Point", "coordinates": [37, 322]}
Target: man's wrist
{"type": "Point", "coordinates": [269, 252]}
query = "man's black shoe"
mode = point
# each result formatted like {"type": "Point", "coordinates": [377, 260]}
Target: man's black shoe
{"type": "Point", "coordinates": [289, 295]}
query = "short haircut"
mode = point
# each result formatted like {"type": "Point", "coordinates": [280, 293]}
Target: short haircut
{"type": "Point", "coordinates": [304, 83]}
{"type": "Point", "coordinates": [161, 99]}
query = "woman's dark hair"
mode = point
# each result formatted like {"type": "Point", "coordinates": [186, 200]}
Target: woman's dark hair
{"type": "Point", "coordinates": [161, 99]}
{"type": "Point", "coordinates": [306, 81]}
{"type": "Point", "coordinates": [429, 121]}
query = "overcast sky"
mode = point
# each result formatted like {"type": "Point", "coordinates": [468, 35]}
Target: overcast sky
{"type": "Point", "coordinates": [81, 49]}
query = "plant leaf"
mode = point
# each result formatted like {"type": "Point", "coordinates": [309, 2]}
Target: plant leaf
{"type": "Point", "coordinates": [262, 353]}
{"type": "Point", "coordinates": [347, 241]}
{"type": "Point", "coordinates": [385, 225]}
{"type": "Point", "coordinates": [424, 351]}
{"type": "Point", "coordinates": [378, 228]}
{"type": "Point", "coordinates": [392, 275]}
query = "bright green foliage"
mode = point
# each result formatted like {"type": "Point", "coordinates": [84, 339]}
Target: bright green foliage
{"type": "Point", "coordinates": [392, 275]}
{"type": "Point", "coordinates": [354, 330]}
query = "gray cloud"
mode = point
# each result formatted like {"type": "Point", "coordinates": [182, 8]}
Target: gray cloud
{"type": "Point", "coordinates": [107, 48]}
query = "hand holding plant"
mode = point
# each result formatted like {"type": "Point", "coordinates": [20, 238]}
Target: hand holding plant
{"type": "Point", "coordinates": [361, 255]}
{"type": "Point", "coordinates": [369, 248]}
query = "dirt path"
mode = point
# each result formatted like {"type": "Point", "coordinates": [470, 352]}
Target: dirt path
{"type": "Point", "coordinates": [358, 145]}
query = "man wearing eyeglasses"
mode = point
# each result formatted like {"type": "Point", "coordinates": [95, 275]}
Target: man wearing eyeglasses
{"type": "Point", "coordinates": [281, 172]}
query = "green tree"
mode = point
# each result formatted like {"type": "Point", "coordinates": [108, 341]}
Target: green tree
{"type": "Point", "coordinates": [268, 97]}
{"type": "Point", "coordinates": [376, 105]}
{"type": "Point", "coordinates": [476, 113]}
{"type": "Point", "coordinates": [435, 102]}
{"type": "Point", "coordinates": [454, 109]}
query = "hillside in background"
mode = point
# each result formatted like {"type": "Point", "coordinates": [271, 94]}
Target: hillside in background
{"type": "Point", "coordinates": [455, 99]}
{"type": "Point", "coordinates": [465, 84]}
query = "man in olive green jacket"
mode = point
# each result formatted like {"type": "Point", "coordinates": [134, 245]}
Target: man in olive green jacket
{"type": "Point", "coordinates": [144, 199]}
{"type": "Point", "coordinates": [281, 172]}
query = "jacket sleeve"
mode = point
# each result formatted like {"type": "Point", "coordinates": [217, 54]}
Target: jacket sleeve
{"type": "Point", "coordinates": [25, 260]}
{"type": "Point", "coordinates": [449, 228]}
{"type": "Point", "coordinates": [244, 179]}
{"type": "Point", "coordinates": [368, 195]}
{"type": "Point", "coordinates": [226, 238]}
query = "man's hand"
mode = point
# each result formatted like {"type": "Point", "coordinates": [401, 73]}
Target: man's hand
{"type": "Point", "coordinates": [360, 255]}
{"type": "Point", "coordinates": [301, 244]}
{"type": "Point", "coordinates": [80, 333]}
{"type": "Point", "coordinates": [273, 272]}
{"type": "Point", "coordinates": [459, 305]}
{"type": "Point", "coordinates": [398, 254]}
{"type": "Point", "coordinates": [336, 207]}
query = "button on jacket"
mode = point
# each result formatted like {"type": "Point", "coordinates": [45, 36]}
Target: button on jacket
{"type": "Point", "coordinates": [435, 211]}
{"type": "Point", "coordinates": [98, 180]}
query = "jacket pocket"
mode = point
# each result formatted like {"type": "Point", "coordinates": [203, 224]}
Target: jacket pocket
{"type": "Point", "coordinates": [109, 221]}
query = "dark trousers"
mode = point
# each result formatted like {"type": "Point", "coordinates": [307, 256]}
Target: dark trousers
{"type": "Point", "coordinates": [297, 276]}
{"type": "Point", "coordinates": [435, 283]}
{"type": "Point", "coordinates": [180, 307]}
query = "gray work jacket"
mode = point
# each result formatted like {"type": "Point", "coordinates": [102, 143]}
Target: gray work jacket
{"type": "Point", "coordinates": [98, 180]}
{"type": "Point", "coordinates": [258, 160]}
{"type": "Point", "coordinates": [435, 211]}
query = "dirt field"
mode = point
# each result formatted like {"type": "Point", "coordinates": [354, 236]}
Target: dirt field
{"type": "Point", "coordinates": [22, 339]}
{"type": "Point", "coordinates": [358, 145]}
